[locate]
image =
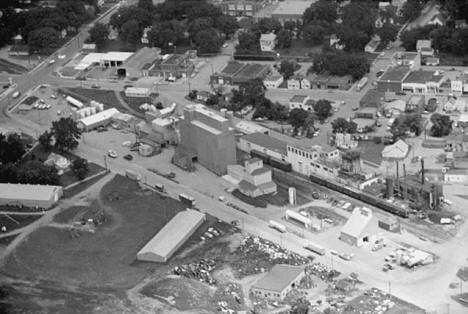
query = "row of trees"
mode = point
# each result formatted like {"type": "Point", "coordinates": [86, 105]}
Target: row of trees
{"type": "Point", "coordinates": [41, 27]}
{"type": "Point", "coordinates": [340, 63]}
{"type": "Point", "coordinates": [11, 148]}
{"type": "Point", "coordinates": [63, 135]}
{"type": "Point", "coordinates": [30, 172]}
{"type": "Point", "coordinates": [173, 22]}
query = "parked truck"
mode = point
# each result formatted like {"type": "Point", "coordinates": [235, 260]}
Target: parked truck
{"type": "Point", "coordinates": [362, 83]}
{"type": "Point", "coordinates": [276, 225]}
{"type": "Point", "coordinates": [187, 200]}
{"type": "Point", "coordinates": [132, 175]}
{"type": "Point", "coordinates": [317, 249]}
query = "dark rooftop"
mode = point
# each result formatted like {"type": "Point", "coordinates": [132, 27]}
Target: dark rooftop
{"type": "Point", "coordinates": [267, 141]}
{"type": "Point", "coordinates": [422, 76]}
{"type": "Point", "coordinates": [395, 74]}
{"type": "Point", "coordinates": [232, 68]}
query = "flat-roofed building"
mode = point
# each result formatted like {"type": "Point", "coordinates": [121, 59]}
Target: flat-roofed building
{"type": "Point", "coordinates": [94, 121]}
{"type": "Point", "coordinates": [263, 143]}
{"type": "Point", "coordinates": [392, 79]}
{"type": "Point", "coordinates": [411, 59]}
{"type": "Point", "coordinates": [291, 11]}
{"type": "Point", "coordinates": [29, 195]}
{"type": "Point", "coordinates": [139, 92]}
{"type": "Point", "coordinates": [355, 231]}
{"type": "Point", "coordinates": [171, 237]}
{"type": "Point", "coordinates": [205, 137]}
{"type": "Point", "coordinates": [423, 82]}
{"type": "Point", "coordinates": [279, 281]}
{"type": "Point", "coordinates": [241, 8]}
{"type": "Point", "coordinates": [108, 59]}
{"type": "Point", "coordinates": [236, 73]}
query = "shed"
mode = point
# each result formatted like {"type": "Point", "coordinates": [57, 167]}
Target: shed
{"type": "Point", "coordinates": [389, 223]}
{"type": "Point", "coordinates": [355, 232]}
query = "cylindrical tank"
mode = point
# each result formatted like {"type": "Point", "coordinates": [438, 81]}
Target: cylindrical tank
{"type": "Point", "coordinates": [101, 107]}
{"type": "Point", "coordinates": [389, 183]}
{"type": "Point", "coordinates": [93, 110]}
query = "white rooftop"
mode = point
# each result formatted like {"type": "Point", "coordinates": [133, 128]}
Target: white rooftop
{"type": "Point", "coordinates": [358, 222]}
{"type": "Point", "coordinates": [292, 7]}
{"type": "Point", "coordinates": [173, 233]}
{"type": "Point", "coordinates": [97, 57]}
{"type": "Point", "coordinates": [27, 191]}
{"type": "Point", "coordinates": [137, 90]}
{"type": "Point", "coordinates": [100, 116]}
{"type": "Point", "coordinates": [162, 122]}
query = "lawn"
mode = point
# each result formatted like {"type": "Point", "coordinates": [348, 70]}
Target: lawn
{"type": "Point", "coordinates": [7, 240]}
{"type": "Point", "coordinates": [13, 222]}
{"type": "Point", "coordinates": [371, 152]}
{"type": "Point", "coordinates": [107, 97]}
{"type": "Point", "coordinates": [105, 257]}
{"type": "Point", "coordinates": [299, 49]}
{"type": "Point", "coordinates": [30, 100]}
{"type": "Point", "coordinates": [136, 102]}
{"type": "Point", "coordinates": [69, 193]}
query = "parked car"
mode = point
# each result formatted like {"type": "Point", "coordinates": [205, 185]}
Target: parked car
{"type": "Point", "coordinates": [112, 154]}
{"type": "Point", "coordinates": [128, 157]}
{"type": "Point", "coordinates": [95, 86]}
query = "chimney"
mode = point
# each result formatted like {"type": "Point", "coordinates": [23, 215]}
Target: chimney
{"type": "Point", "coordinates": [397, 183]}
{"type": "Point", "coordinates": [422, 171]}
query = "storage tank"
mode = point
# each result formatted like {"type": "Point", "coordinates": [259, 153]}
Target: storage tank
{"type": "Point", "coordinates": [153, 108]}
{"type": "Point", "coordinates": [88, 111]}
{"type": "Point", "coordinates": [93, 103]}
{"type": "Point", "coordinates": [93, 110]}
{"type": "Point", "coordinates": [101, 107]}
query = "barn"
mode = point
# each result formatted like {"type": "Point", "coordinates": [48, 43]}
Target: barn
{"type": "Point", "coordinates": [29, 195]}
{"type": "Point", "coordinates": [171, 237]}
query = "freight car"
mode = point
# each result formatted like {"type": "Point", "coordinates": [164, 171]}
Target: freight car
{"type": "Point", "coordinates": [272, 161]}
{"type": "Point", "coordinates": [362, 196]}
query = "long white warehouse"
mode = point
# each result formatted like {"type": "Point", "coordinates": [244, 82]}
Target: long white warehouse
{"type": "Point", "coordinates": [170, 238]}
{"type": "Point", "coordinates": [96, 120]}
{"type": "Point", "coordinates": [29, 195]}
{"type": "Point", "coordinates": [298, 217]}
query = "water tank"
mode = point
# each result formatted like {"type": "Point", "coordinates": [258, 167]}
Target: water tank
{"type": "Point", "coordinates": [93, 110]}
{"type": "Point", "coordinates": [223, 112]}
{"type": "Point", "coordinates": [229, 115]}
{"type": "Point", "coordinates": [389, 182]}
{"type": "Point", "coordinates": [101, 107]}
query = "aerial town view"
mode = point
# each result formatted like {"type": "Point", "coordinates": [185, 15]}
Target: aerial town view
{"type": "Point", "coordinates": [234, 156]}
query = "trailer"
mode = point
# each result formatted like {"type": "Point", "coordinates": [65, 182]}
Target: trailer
{"type": "Point", "coordinates": [362, 83]}
{"type": "Point", "coordinates": [159, 187]}
{"type": "Point", "coordinates": [74, 102]}
{"type": "Point", "coordinates": [187, 200]}
{"type": "Point", "coordinates": [317, 249]}
{"type": "Point", "coordinates": [298, 218]}
{"type": "Point", "coordinates": [276, 225]}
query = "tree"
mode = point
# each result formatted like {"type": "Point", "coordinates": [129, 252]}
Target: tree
{"type": "Point", "coordinates": [353, 39]}
{"type": "Point", "coordinates": [66, 134]}
{"type": "Point", "coordinates": [297, 118]}
{"type": "Point", "coordinates": [286, 69]}
{"type": "Point", "coordinates": [226, 24]}
{"type": "Point", "coordinates": [35, 172]}
{"type": "Point", "coordinates": [43, 40]}
{"type": "Point", "coordinates": [323, 10]}
{"type": "Point", "coordinates": [248, 43]}
{"type": "Point", "coordinates": [208, 41]}
{"type": "Point", "coordinates": [406, 124]}
{"type": "Point", "coordinates": [45, 139]}
{"type": "Point", "coordinates": [80, 168]}
{"type": "Point", "coordinates": [290, 25]}
{"type": "Point", "coordinates": [313, 34]}
{"type": "Point", "coordinates": [11, 148]}
{"type": "Point", "coordinates": [412, 9]}
{"type": "Point", "coordinates": [98, 34]}
{"type": "Point", "coordinates": [250, 93]}
{"type": "Point", "coordinates": [130, 32]}
{"type": "Point", "coordinates": [284, 38]}
{"type": "Point", "coordinates": [193, 94]}
{"type": "Point", "coordinates": [146, 5]}
{"type": "Point", "coordinates": [267, 25]}
{"type": "Point", "coordinates": [388, 32]}
{"type": "Point", "coordinates": [213, 100]}
{"type": "Point", "coordinates": [198, 25]}
{"type": "Point", "coordinates": [300, 306]}
{"type": "Point", "coordinates": [323, 109]}
{"type": "Point", "coordinates": [441, 125]}
{"type": "Point", "coordinates": [359, 16]}
{"type": "Point", "coordinates": [341, 125]}
{"type": "Point", "coordinates": [8, 173]}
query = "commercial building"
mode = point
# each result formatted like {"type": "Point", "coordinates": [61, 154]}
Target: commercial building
{"type": "Point", "coordinates": [171, 237]}
{"type": "Point", "coordinates": [389, 223]}
{"type": "Point", "coordinates": [170, 65]}
{"type": "Point", "coordinates": [241, 8]}
{"type": "Point", "coordinates": [392, 79]}
{"type": "Point", "coordinates": [326, 81]}
{"type": "Point", "coordinates": [29, 195]}
{"type": "Point", "coordinates": [415, 104]}
{"type": "Point", "coordinates": [314, 160]}
{"type": "Point", "coordinates": [205, 137]}
{"type": "Point", "coordinates": [411, 59]}
{"type": "Point", "coordinates": [236, 73]}
{"type": "Point", "coordinates": [291, 10]}
{"type": "Point", "coordinates": [139, 92]}
{"type": "Point", "coordinates": [108, 59]}
{"type": "Point", "coordinates": [301, 102]}
{"type": "Point", "coordinates": [459, 84]}
{"type": "Point", "coordinates": [253, 179]}
{"type": "Point", "coordinates": [423, 82]}
{"type": "Point", "coordinates": [94, 121]}
{"type": "Point", "coordinates": [248, 127]}
{"type": "Point", "coordinates": [273, 81]}
{"type": "Point", "coordinates": [263, 143]}
{"type": "Point", "coordinates": [279, 281]}
{"type": "Point", "coordinates": [267, 42]}
{"type": "Point", "coordinates": [456, 176]}
{"type": "Point", "coordinates": [355, 231]}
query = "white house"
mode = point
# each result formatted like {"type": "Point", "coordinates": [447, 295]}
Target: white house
{"type": "Point", "coordinates": [298, 102]}
{"type": "Point", "coordinates": [273, 81]}
{"type": "Point", "coordinates": [459, 85]}
{"type": "Point", "coordinates": [335, 42]}
{"type": "Point", "coordinates": [372, 44]}
{"type": "Point", "coordinates": [456, 176]}
{"type": "Point", "coordinates": [294, 83]}
{"type": "Point", "coordinates": [267, 42]}
{"type": "Point", "coordinates": [424, 47]}
{"type": "Point", "coordinates": [437, 20]}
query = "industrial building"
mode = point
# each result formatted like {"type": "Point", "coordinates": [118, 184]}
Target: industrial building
{"type": "Point", "coordinates": [422, 82]}
{"type": "Point", "coordinates": [94, 121]}
{"type": "Point", "coordinates": [241, 8]}
{"type": "Point", "coordinates": [236, 73]}
{"type": "Point", "coordinates": [355, 231]}
{"type": "Point", "coordinates": [171, 237]}
{"type": "Point", "coordinates": [205, 137]}
{"type": "Point", "coordinates": [263, 143]}
{"type": "Point", "coordinates": [171, 65]}
{"type": "Point", "coordinates": [278, 282]}
{"type": "Point", "coordinates": [139, 92]}
{"type": "Point", "coordinates": [29, 195]}
{"type": "Point", "coordinates": [254, 179]}
{"type": "Point", "coordinates": [290, 11]}
{"type": "Point", "coordinates": [389, 223]}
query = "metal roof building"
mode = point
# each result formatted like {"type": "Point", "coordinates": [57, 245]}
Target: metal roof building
{"type": "Point", "coordinates": [98, 119]}
{"type": "Point", "coordinates": [278, 282]}
{"type": "Point", "coordinates": [171, 237]}
{"type": "Point", "coordinates": [29, 195]}
{"type": "Point", "coordinates": [354, 231]}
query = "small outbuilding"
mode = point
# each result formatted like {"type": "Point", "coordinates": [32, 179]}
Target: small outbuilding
{"type": "Point", "coordinates": [278, 282]}
{"type": "Point", "coordinates": [355, 231]}
{"type": "Point", "coordinates": [389, 223]}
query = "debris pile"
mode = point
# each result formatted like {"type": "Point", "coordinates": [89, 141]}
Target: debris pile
{"type": "Point", "coordinates": [322, 271]}
{"type": "Point", "coordinates": [198, 270]}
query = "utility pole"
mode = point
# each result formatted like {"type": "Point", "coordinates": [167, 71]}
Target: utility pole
{"type": "Point", "coordinates": [105, 162]}
{"type": "Point", "coordinates": [389, 287]}
{"type": "Point", "coordinates": [331, 257]}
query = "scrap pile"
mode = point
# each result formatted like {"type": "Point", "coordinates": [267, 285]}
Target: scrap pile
{"type": "Point", "coordinates": [322, 271]}
{"type": "Point", "coordinates": [229, 297]}
{"type": "Point", "coordinates": [256, 255]}
{"type": "Point", "coordinates": [373, 301]}
{"type": "Point", "coordinates": [198, 270]}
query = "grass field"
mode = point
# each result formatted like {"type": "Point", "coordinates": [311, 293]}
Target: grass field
{"type": "Point", "coordinates": [7, 240]}
{"type": "Point", "coordinates": [13, 222]}
{"type": "Point", "coordinates": [81, 187]}
{"type": "Point", "coordinates": [136, 102]}
{"type": "Point", "coordinates": [105, 257]}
